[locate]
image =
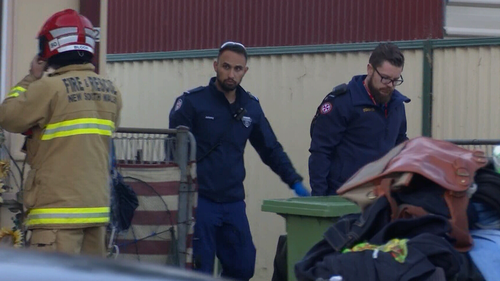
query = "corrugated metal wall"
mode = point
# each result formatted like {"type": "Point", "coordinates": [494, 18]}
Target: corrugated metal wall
{"type": "Point", "coordinates": [466, 102]}
{"type": "Point", "coordinates": [171, 25]}
{"type": "Point", "coordinates": [290, 87]}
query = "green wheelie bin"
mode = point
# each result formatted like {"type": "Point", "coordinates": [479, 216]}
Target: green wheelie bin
{"type": "Point", "coordinates": [307, 218]}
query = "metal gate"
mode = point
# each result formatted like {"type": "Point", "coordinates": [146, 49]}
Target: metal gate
{"type": "Point", "coordinates": [159, 165]}
{"type": "Point", "coordinates": [485, 145]}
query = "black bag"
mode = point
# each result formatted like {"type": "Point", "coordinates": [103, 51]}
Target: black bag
{"type": "Point", "coordinates": [123, 203]}
{"type": "Point", "coordinates": [280, 260]}
{"type": "Point", "coordinates": [124, 200]}
{"type": "Point", "coordinates": [488, 187]}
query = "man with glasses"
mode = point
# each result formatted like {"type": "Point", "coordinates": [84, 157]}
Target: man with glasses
{"type": "Point", "coordinates": [359, 122]}
{"type": "Point", "coordinates": [223, 116]}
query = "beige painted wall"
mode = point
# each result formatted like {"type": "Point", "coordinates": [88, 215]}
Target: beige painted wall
{"type": "Point", "coordinates": [29, 16]}
{"type": "Point", "coordinates": [290, 87]}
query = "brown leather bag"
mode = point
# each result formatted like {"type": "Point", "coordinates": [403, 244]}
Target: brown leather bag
{"type": "Point", "coordinates": [448, 165]}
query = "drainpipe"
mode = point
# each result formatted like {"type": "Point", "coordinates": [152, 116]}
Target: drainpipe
{"type": "Point", "coordinates": [92, 10]}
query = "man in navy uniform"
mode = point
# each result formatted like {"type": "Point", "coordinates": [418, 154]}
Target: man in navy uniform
{"type": "Point", "coordinates": [359, 122]}
{"type": "Point", "coordinates": [223, 116]}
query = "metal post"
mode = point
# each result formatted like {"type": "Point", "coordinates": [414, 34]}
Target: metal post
{"type": "Point", "coordinates": [427, 90]}
{"type": "Point", "coordinates": [184, 208]}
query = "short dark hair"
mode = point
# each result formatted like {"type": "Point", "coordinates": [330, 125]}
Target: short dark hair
{"type": "Point", "coordinates": [234, 47]}
{"type": "Point", "coordinates": [387, 52]}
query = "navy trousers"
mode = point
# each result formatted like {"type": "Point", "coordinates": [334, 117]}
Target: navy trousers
{"type": "Point", "coordinates": [222, 229]}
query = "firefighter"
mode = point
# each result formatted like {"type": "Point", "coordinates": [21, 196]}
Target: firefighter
{"type": "Point", "coordinates": [69, 116]}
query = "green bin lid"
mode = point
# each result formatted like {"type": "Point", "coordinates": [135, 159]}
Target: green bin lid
{"type": "Point", "coordinates": [314, 206]}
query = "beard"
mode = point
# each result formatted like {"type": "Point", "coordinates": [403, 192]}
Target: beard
{"type": "Point", "coordinates": [380, 98]}
{"type": "Point", "coordinates": [227, 85]}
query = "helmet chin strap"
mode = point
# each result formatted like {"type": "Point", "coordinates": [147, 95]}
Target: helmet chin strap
{"type": "Point", "coordinates": [81, 54]}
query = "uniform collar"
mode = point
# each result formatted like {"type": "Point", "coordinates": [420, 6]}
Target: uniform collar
{"type": "Point", "coordinates": [360, 95]}
{"type": "Point", "coordinates": [73, 67]}
{"type": "Point", "coordinates": [241, 95]}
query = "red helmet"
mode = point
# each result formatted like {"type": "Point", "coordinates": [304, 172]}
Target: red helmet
{"type": "Point", "coordinates": [66, 31]}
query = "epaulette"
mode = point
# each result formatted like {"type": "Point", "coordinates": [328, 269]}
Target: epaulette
{"type": "Point", "coordinates": [253, 97]}
{"type": "Point", "coordinates": [337, 91]}
{"type": "Point", "coordinates": [194, 90]}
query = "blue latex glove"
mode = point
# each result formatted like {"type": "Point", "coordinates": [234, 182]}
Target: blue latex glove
{"type": "Point", "coordinates": [300, 189]}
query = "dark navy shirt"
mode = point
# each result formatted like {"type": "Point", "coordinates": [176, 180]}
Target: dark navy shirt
{"type": "Point", "coordinates": [221, 139]}
{"type": "Point", "coordinates": [351, 131]}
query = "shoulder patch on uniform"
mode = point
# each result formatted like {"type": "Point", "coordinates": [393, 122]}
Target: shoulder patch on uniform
{"type": "Point", "coordinates": [326, 105]}
{"type": "Point", "coordinates": [252, 96]}
{"type": "Point", "coordinates": [194, 90]}
{"type": "Point", "coordinates": [326, 108]}
{"type": "Point", "coordinates": [178, 104]}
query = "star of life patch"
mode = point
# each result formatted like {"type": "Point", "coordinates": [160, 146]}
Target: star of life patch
{"type": "Point", "coordinates": [178, 104]}
{"type": "Point", "coordinates": [326, 107]}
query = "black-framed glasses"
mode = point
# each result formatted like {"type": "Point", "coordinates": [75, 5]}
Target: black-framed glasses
{"type": "Point", "coordinates": [386, 80]}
